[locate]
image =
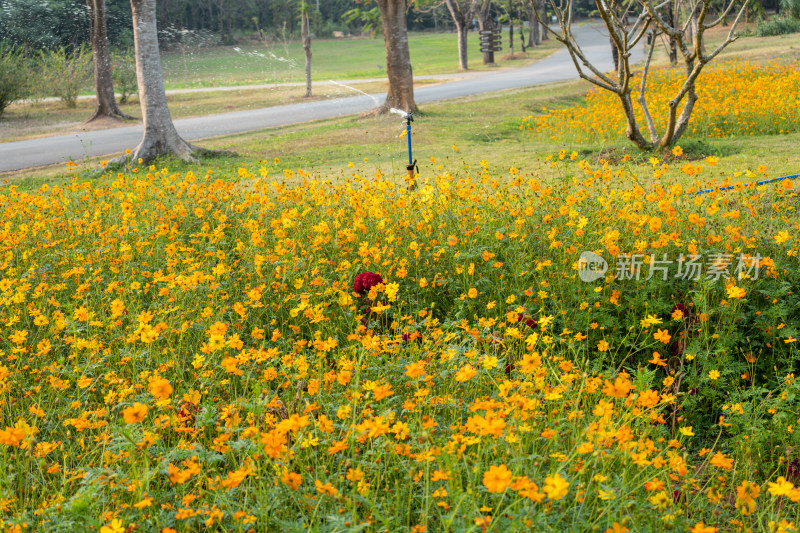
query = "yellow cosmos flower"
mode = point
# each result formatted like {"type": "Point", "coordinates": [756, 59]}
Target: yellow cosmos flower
{"type": "Point", "coordinates": [555, 486]}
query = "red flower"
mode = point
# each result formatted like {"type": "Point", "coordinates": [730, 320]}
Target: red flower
{"type": "Point", "coordinates": [531, 323]}
{"type": "Point", "coordinates": [187, 412]}
{"type": "Point", "coordinates": [365, 281]}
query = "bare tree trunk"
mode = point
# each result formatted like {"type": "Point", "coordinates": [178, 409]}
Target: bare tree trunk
{"type": "Point", "coordinates": [160, 136]}
{"type": "Point", "coordinates": [542, 7]}
{"type": "Point", "coordinates": [632, 129]}
{"type": "Point", "coordinates": [614, 54]}
{"type": "Point", "coordinates": [398, 59]}
{"type": "Point", "coordinates": [306, 35]}
{"type": "Point", "coordinates": [696, 29]}
{"type": "Point", "coordinates": [462, 18]}
{"type": "Point", "coordinates": [103, 79]}
{"type": "Point", "coordinates": [510, 31]}
{"type": "Point", "coordinates": [462, 30]}
{"type": "Point", "coordinates": [533, 26]}
{"type": "Point", "coordinates": [624, 40]}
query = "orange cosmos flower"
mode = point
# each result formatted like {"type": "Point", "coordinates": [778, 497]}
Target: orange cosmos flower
{"type": "Point", "coordinates": [415, 370]}
{"type": "Point", "coordinates": [497, 478]}
{"type": "Point", "coordinates": [720, 461]}
{"type": "Point", "coordinates": [292, 479]}
{"type": "Point", "coordinates": [135, 413]}
{"type": "Point", "coordinates": [160, 388]}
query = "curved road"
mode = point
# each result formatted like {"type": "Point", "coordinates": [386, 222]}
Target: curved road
{"type": "Point", "coordinates": [60, 149]}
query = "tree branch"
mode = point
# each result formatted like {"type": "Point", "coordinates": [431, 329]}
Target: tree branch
{"type": "Point", "coordinates": [642, 101]}
{"type": "Point", "coordinates": [730, 38]}
{"type": "Point", "coordinates": [575, 52]}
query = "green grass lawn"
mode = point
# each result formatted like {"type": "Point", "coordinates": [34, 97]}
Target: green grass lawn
{"type": "Point", "coordinates": [480, 127]}
{"type": "Point", "coordinates": [461, 132]}
{"type": "Point", "coordinates": [431, 53]}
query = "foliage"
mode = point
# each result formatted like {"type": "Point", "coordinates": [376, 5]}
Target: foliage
{"type": "Point", "coordinates": [780, 25]}
{"type": "Point", "coordinates": [14, 76]}
{"type": "Point", "coordinates": [791, 8]}
{"type": "Point", "coordinates": [194, 353]}
{"type": "Point", "coordinates": [46, 24]}
{"type": "Point", "coordinates": [123, 69]}
{"type": "Point", "coordinates": [65, 74]}
{"type": "Point", "coordinates": [370, 19]}
{"type": "Point", "coordinates": [43, 24]}
{"type": "Point", "coordinates": [735, 98]}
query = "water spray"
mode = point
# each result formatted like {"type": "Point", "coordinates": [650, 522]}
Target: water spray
{"type": "Point", "coordinates": [412, 163]}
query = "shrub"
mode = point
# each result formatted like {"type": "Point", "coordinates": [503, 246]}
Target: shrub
{"type": "Point", "coordinates": [13, 76]}
{"type": "Point", "coordinates": [778, 26]}
{"type": "Point", "coordinates": [64, 74]}
{"type": "Point", "coordinates": [123, 66]}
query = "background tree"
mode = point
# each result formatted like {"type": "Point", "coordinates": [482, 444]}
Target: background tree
{"type": "Point", "coordinates": [46, 24]}
{"type": "Point", "coordinates": [103, 77]}
{"type": "Point", "coordinates": [462, 12]}
{"type": "Point", "coordinates": [625, 38]}
{"type": "Point", "coordinates": [398, 59]}
{"type": "Point", "coordinates": [306, 38]}
{"type": "Point", "coordinates": [14, 76]}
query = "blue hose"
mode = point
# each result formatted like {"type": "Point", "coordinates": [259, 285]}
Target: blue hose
{"type": "Point", "coordinates": [408, 134]}
{"type": "Point", "coordinates": [733, 186]}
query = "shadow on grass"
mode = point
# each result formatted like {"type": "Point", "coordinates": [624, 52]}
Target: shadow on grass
{"type": "Point", "coordinates": [693, 150]}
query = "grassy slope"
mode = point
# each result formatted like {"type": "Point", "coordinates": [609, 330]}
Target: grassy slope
{"type": "Point", "coordinates": [338, 59]}
{"type": "Point", "coordinates": [481, 127]}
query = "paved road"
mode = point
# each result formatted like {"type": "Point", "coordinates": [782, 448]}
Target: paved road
{"type": "Point", "coordinates": [59, 149]}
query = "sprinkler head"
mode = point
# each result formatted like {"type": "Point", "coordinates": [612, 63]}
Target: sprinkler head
{"type": "Point", "coordinates": [406, 116]}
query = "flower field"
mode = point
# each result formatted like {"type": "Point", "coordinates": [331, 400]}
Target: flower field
{"type": "Point", "coordinates": [735, 98]}
{"type": "Point", "coordinates": [273, 351]}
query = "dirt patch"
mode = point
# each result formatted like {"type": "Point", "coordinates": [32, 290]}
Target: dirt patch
{"type": "Point", "coordinates": [104, 124]}
{"type": "Point", "coordinates": [619, 154]}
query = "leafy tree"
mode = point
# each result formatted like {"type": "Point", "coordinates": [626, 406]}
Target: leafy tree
{"type": "Point", "coordinates": [13, 76]}
{"type": "Point", "coordinates": [370, 19]}
{"type": "Point", "coordinates": [39, 24]}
